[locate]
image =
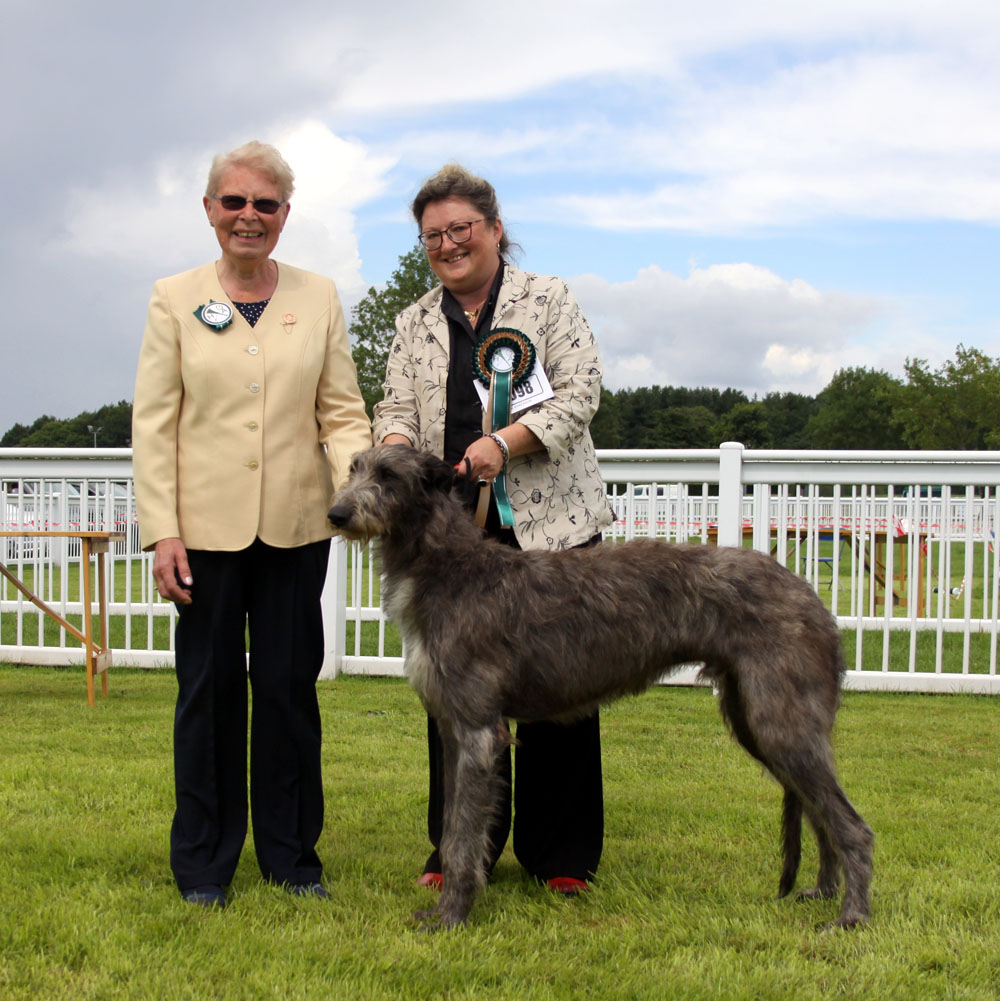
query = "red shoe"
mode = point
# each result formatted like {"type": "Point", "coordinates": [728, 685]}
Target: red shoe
{"type": "Point", "coordinates": [432, 880]}
{"type": "Point", "coordinates": [567, 885]}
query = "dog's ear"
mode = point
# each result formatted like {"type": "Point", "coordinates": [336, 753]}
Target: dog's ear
{"type": "Point", "coordinates": [437, 474]}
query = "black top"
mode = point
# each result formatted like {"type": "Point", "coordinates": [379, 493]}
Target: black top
{"type": "Point", "coordinates": [463, 421]}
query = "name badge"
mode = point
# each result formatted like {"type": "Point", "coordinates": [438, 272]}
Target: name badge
{"type": "Point", "coordinates": [217, 315]}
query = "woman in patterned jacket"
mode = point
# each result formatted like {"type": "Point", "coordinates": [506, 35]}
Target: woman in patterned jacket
{"type": "Point", "coordinates": [546, 458]}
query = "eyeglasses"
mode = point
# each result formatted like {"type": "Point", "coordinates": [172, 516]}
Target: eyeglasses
{"type": "Point", "coordinates": [458, 232]}
{"type": "Point", "coordinates": [233, 203]}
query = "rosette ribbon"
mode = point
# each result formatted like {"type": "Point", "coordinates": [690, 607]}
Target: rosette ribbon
{"type": "Point", "coordinates": [501, 371]}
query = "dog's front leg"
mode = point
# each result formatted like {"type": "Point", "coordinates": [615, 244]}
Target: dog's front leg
{"type": "Point", "coordinates": [471, 789]}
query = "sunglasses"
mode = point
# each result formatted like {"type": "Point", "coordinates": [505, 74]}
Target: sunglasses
{"type": "Point", "coordinates": [233, 203]}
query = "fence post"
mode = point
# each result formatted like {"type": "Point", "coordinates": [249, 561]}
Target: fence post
{"type": "Point", "coordinates": [730, 494]}
{"type": "Point", "coordinates": [334, 605]}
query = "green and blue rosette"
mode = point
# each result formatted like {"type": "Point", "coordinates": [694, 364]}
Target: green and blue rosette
{"type": "Point", "coordinates": [503, 359]}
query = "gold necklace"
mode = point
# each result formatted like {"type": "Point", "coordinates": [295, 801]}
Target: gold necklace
{"type": "Point", "coordinates": [471, 314]}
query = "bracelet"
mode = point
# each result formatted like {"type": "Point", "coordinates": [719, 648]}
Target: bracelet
{"type": "Point", "coordinates": [501, 444]}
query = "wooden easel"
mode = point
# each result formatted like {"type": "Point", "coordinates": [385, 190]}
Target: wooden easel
{"type": "Point", "coordinates": [92, 544]}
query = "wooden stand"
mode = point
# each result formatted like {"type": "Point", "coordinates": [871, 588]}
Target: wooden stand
{"type": "Point", "coordinates": [91, 544]}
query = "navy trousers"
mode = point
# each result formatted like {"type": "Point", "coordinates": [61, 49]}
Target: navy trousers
{"type": "Point", "coordinates": [275, 595]}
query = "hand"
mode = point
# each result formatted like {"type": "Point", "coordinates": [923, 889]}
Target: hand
{"type": "Point", "coordinates": [171, 571]}
{"type": "Point", "coordinates": [485, 458]}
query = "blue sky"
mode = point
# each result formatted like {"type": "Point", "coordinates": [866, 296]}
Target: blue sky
{"type": "Point", "coordinates": [746, 194]}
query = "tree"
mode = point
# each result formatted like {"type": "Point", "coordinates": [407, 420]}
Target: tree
{"type": "Point", "coordinates": [683, 427]}
{"type": "Point", "coordinates": [114, 421]}
{"type": "Point", "coordinates": [17, 435]}
{"type": "Point", "coordinates": [956, 407]}
{"type": "Point", "coordinates": [857, 410]}
{"type": "Point", "coordinates": [605, 428]}
{"type": "Point", "coordinates": [788, 416]}
{"type": "Point", "coordinates": [373, 320]}
{"type": "Point", "coordinates": [747, 424]}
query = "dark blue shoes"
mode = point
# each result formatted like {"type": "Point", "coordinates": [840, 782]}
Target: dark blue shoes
{"type": "Point", "coordinates": [210, 895]}
{"type": "Point", "coordinates": [317, 890]}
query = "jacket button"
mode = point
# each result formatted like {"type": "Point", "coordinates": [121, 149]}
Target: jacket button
{"type": "Point", "coordinates": [254, 387]}
{"type": "Point", "coordinates": [253, 349]}
{"type": "Point", "coordinates": [253, 425]}
{"type": "Point", "coordinates": [252, 464]}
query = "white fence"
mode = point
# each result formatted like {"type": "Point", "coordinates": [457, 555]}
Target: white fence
{"type": "Point", "coordinates": [900, 545]}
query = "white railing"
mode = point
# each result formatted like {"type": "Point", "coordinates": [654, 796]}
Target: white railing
{"type": "Point", "coordinates": [900, 545]}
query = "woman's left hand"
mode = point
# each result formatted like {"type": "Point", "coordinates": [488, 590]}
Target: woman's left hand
{"type": "Point", "coordinates": [485, 458]}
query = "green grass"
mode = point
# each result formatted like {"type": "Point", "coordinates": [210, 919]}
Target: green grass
{"type": "Point", "coordinates": [684, 907]}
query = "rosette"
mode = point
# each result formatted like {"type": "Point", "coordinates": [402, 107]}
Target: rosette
{"type": "Point", "coordinates": [522, 350]}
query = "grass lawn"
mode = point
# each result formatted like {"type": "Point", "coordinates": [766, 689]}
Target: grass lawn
{"type": "Point", "coordinates": [684, 907]}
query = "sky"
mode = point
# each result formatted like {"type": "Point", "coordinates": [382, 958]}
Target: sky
{"type": "Point", "coordinates": [746, 194]}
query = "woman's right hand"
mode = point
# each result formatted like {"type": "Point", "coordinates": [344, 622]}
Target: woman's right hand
{"type": "Point", "coordinates": [171, 571]}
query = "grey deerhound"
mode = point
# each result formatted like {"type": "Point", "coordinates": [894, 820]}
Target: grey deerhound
{"type": "Point", "coordinates": [493, 632]}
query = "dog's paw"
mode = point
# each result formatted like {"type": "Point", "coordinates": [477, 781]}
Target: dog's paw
{"type": "Point", "coordinates": [427, 921]}
{"type": "Point", "coordinates": [816, 893]}
{"type": "Point", "coordinates": [434, 920]}
{"type": "Point", "coordinates": [846, 922]}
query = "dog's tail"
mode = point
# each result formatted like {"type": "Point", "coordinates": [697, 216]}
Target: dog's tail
{"type": "Point", "coordinates": [791, 838]}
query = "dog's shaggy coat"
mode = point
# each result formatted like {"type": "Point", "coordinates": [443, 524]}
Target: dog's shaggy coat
{"type": "Point", "coordinates": [493, 632]}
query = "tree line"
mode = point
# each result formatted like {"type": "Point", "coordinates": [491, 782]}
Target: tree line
{"type": "Point", "coordinates": [956, 406]}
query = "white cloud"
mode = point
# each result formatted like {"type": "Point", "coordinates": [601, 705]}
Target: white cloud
{"type": "Point", "coordinates": [159, 226]}
{"type": "Point", "coordinates": [732, 325]}
{"type": "Point", "coordinates": [873, 135]}
{"type": "Point", "coordinates": [656, 115]}
{"type": "Point", "coordinates": [333, 178]}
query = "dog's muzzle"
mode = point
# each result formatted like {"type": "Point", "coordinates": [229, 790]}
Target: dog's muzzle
{"type": "Point", "coordinates": [339, 515]}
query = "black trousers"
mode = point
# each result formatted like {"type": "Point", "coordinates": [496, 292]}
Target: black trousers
{"type": "Point", "coordinates": [276, 594]}
{"type": "Point", "coordinates": [558, 799]}
{"type": "Point", "coordinates": [558, 794]}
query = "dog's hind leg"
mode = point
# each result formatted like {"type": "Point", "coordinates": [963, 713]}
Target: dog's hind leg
{"type": "Point", "coordinates": [471, 794]}
{"type": "Point", "coordinates": [791, 842]}
{"type": "Point", "coordinates": [845, 840]}
{"type": "Point", "coordinates": [853, 842]}
{"type": "Point", "coordinates": [828, 879]}
{"type": "Point", "coordinates": [795, 748]}
{"type": "Point", "coordinates": [734, 711]}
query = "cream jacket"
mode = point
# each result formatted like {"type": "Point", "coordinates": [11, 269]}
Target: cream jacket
{"type": "Point", "coordinates": [243, 432]}
{"type": "Point", "coordinates": [557, 494]}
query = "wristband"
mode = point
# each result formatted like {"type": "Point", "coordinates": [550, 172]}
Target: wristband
{"type": "Point", "coordinates": [502, 444]}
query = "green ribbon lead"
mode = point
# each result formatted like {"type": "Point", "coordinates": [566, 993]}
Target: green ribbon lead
{"type": "Point", "coordinates": [499, 418]}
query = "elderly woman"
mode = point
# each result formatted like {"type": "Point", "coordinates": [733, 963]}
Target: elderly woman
{"type": "Point", "coordinates": [246, 415]}
{"type": "Point", "coordinates": [555, 491]}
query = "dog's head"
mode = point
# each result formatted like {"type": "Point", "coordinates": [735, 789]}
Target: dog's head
{"type": "Point", "coordinates": [389, 487]}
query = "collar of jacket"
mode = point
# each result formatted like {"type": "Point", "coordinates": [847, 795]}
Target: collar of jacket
{"type": "Point", "coordinates": [513, 288]}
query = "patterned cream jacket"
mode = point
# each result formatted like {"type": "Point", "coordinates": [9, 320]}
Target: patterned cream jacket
{"type": "Point", "coordinates": [557, 494]}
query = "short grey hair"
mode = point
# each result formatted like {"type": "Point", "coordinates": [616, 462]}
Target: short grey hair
{"type": "Point", "coordinates": [257, 156]}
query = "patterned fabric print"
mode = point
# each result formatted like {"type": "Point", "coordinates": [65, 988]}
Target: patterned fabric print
{"type": "Point", "coordinates": [558, 495]}
{"type": "Point", "coordinates": [250, 311]}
